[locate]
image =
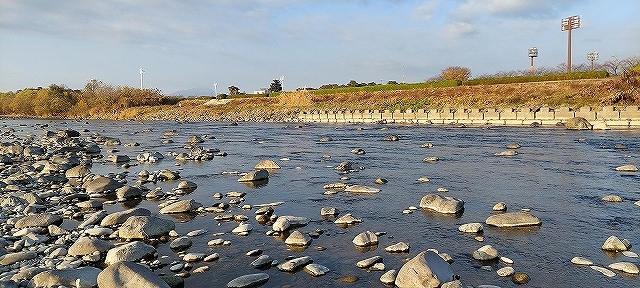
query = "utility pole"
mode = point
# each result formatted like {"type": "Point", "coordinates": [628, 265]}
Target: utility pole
{"type": "Point", "coordinates": [569, 24]}
{"type": "Point", "coordinates": [592, 56]}
{"type": "Point", "coordinates": [533, 52]}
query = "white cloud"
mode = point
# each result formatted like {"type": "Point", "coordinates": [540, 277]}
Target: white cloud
{"type": "Point", "coordinates": [426, 10]}
{"type": "Point", "coordinates": [473, 9]}
{"type": "Point", "coordinates": [459, 30]}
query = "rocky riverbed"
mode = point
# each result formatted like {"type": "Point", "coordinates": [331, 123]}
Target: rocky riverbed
{"type": "Point", "coordinates": [113, 204]}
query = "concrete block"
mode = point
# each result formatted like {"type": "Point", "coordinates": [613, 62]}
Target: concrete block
{"type": "Point", "coordinates": [525, 114]}
{"type": "Point", "coordinates": [447, 114]}
{"type": "Point", "coordinates": [508, 114]}
{"type": "Point", "coordinates": [421, 115]}
{"type": "Point", "coordinates": [375, 116]}
{"type": "Point", "coordinates": [586, 112]}
{"type": "Point", "coordinates": [545, 113]}
{"type": "Point", "coordinates": [564, 113]}
{"type": "Point", "coordinates": [358, 116]}
{"type": "Point", "coordinates": [630, 112]}
{"type": "Point", "coordinates": [340, 117]}
{"type": "Point", "coordinates": [608, 113]}
{"type": "Point", "coordinates": [387, 115]}
{"type": "Point", "coordinates": [491, 114]}
{"type": "Point", "coordinates": [476, 114]}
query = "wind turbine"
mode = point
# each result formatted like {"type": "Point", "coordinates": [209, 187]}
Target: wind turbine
{"type": "Point", "coordinates": [141, 77]}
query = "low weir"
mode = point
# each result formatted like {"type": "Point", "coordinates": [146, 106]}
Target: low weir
{"type": "Point", "coordinates": [613, 116]}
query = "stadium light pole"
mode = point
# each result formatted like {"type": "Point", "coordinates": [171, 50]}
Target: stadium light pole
{"type": "Point", "coordinates": [592, 56]}
{"type": "Point", "coordinates": [533, 52]}
{"type": "Point", "coordinates": [569, 24]}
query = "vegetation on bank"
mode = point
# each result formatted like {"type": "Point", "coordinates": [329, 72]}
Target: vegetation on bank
{"type": "Point", "coordinates": [98, 100]}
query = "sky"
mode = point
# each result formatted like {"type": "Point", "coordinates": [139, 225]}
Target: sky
{"type": "Point", "coordinates": [184, 44]}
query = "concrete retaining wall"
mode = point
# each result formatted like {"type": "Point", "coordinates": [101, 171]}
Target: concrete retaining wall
{"type": "Point", "coordinates": [614, 116]}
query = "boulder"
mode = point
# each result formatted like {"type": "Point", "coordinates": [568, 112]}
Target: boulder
{"type": "Point", "coordinates": [11, 258]}
{"type": "Point", "coordinates": [369, 262]}
{"type": "Point", "coordinates": [398, 248]}
{"type": "Point", "coordinates": [315, 270]}
{"type": "Point", "coordinates": [581, 261]}
{"type": "Point", "coordinates": [612, 198]}
{"type": "Point", "coordinates": [389, 277]}
{"type": "Point", "coordinates": [601, 125]}
{"type": "Point", "coordinates": [134, 251]}
{"type": "Point", "coordinates": [486, 252]}
{"type": "Point", "coordinates": [128, 192]}
{"type": "Point", "coordinates": [295, 264]}
{"type": "Point", "coordinates": [626, 267]}
{"type": "Point", "coordinates": [500, 206]}
{"type": "Point", "coordinates": [613, 243]}
{"type": "Point", "coordinates": [77, 172]}
{"type": "Point", "coordinates": [182, 206]}
{"type": "Point", "coordinates": [470, 228]}
{"type": "Point", "coordinates": [129, 275]}
{"type": "Point", "coordinates": [442, 204]}
{"type": "Point", "coordinates": [285, 222]}
{"type": "Point", "coordinates": [80, 277]}
{"type": "Point", "coordinates": [367, 238]}
{"type": "Point", "coordinates": [344, 166]}
{"type": "Point", "coordinates": [180, 243]}
{"type": "Point", "coordinates": [267, 164]}
{"type": "Point", "coordinates": [38, 220]}
{"type": "Point", "coordinates": [101, 184]}
{"type": "Point", "coordinates": [256, 175]}
{"type": "Point", "coordinates": [427, 269]}
{"type": "Point", "coordinates": [298, 239]}
{"type": "Point", "coordinates": [86, 245]}
{"type": "Point", "coordinates": [251, 280]}
{"type": "Point", "coordinates": [347, 219]}
{"type": "Point", "coordinates": [120, 217]}
{"type": "Point", "coordinates": [513, 219]}
{"type": "Point", "coordinates": [168, 175]}
{"type": "Point", "coordinates": [627, 168]}
{"type": "Point", "coordinates": [118, 158]}
{"type": "Point", "coordinates": [329, 211]}
{"type": "Point", "coordinates": [578, 123]}
{"type": "Point", "coordinates": [145, 227]}
{"type": "Point", "coordinates": [361, 189]}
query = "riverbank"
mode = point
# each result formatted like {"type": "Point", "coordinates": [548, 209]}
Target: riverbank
{"type": "Point", "coordinates": [500, 102]}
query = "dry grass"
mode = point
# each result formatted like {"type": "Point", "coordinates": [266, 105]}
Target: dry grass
{"type": "Point", "coordinates": [620, 91]}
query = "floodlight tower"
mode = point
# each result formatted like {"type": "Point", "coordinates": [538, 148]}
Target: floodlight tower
{"type": "Point", "coordinates": [592, 56]}
{"type": "Point", "coordinates": [533, 52]}
{"type": "Point", "coordinates": [141, 78]}
{"type": "Point", "coordinates": [569, 24]}
{"type": "Point", "coordinates": [282, 83]}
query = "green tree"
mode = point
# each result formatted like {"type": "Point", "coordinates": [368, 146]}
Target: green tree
{"type": "Point", "coordinates": [276, 86]}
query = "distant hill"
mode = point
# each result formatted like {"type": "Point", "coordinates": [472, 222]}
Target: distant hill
{"type": "Point", "coordinates": [201, 91]}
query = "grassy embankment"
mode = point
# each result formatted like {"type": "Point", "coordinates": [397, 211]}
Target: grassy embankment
{"type": "Point", "coordinates": [478, 93]}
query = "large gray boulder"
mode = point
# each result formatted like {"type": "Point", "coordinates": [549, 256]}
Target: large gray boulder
{"type": "Point", "coordinates": [578, 123]}
{"type": "Point", "coordinates": [442, 204]}
{"type": "Point", "coordinates": [129, 275]}
{"type": "Point", "coordinates": [86, 245]}
{"type": "Point", "coordinates": [77, 172]}
{"type": "Point", "coordinates": [614, 243]}
{"type": "Point", "coordinates": [38, 220]}
{"type": "Point", "coordinates": [267, 164]}
{"type": "Point", "coordinates": [513, 219]}
{"type": "Point", "coordinates": [133, 251]}
{"type": "Point", "coordinates": [426, 270]}
{"type": "Point", "coordinates": [81, 277]}
{"type": "Point", "coordinates": [120, 217]}
{"type": "Point", "coordinates": [11, 258]}
{"type": "Point", "coordinates": [128, 192]}
{"type": "Point", "coordinates": [285, 222]}
{"type": "Point", "coordinates": [101, 184]}
{"type": "Point", "coordinates": [256, 175]}
{"type": "Point", "coordinates": [182, 206]}
{"type": "Point", "coordinates": [145, 227]}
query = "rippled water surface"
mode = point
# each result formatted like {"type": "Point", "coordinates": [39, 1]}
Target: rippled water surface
{"type": "Point", "coordinates": [560, 175]}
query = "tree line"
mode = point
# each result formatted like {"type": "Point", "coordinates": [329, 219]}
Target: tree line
{"type": "Point", "coordinates": [96, 97]}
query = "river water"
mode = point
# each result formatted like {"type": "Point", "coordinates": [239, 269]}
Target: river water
{"type": "Point", "coordinates": [560, 175]}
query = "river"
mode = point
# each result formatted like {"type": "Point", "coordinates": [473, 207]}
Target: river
{"type": "Point", "coordinates": [559, 175]}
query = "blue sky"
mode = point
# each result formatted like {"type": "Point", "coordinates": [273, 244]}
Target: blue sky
{"type": "Point", "coordinates": [184, 44]}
